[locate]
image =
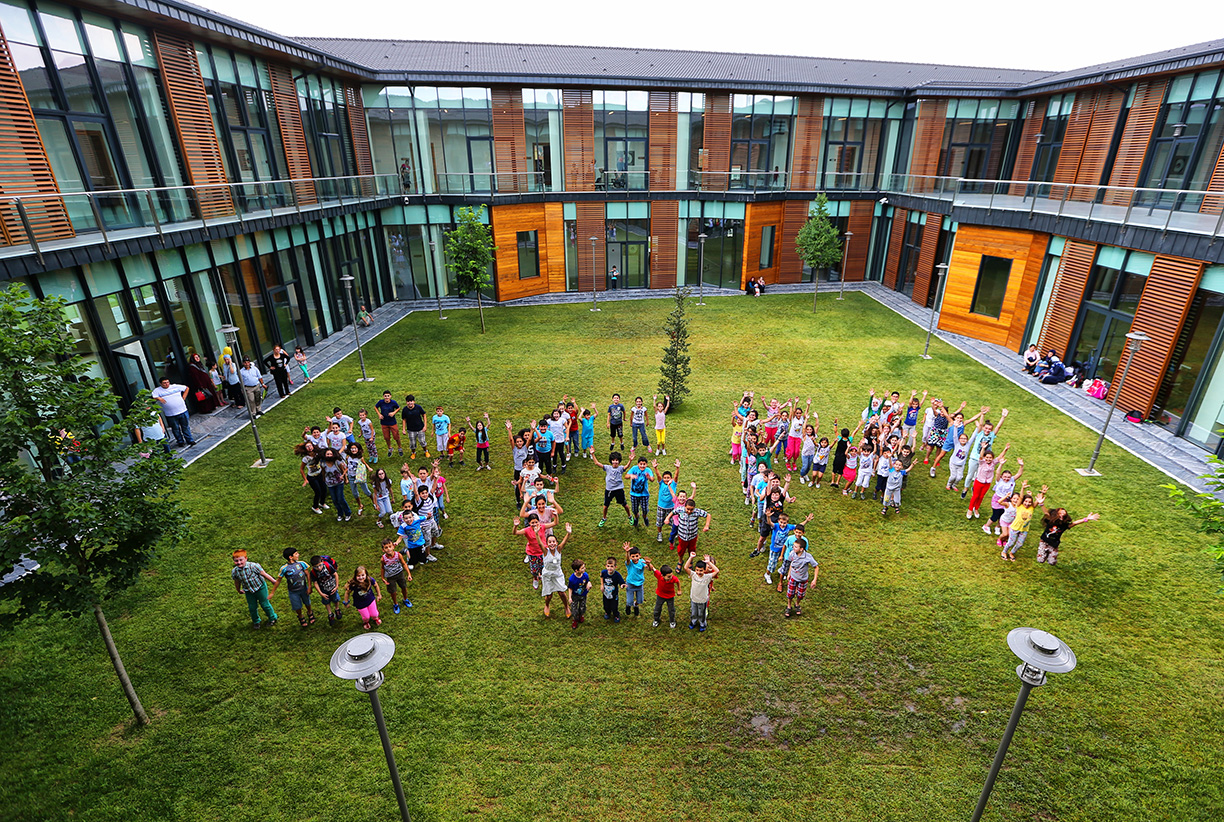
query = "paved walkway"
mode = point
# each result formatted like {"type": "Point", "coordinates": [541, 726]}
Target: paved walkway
{"type": "Point", "coordinates": [1177, 458]}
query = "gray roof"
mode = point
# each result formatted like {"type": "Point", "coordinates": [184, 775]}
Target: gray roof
{"type": "Point", "coordinates": [1175, 59]}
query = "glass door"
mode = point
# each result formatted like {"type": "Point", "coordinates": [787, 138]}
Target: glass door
{"type": "Point", "coordinates": [133, 371]}
{"type": "Point", "coordinates": [480, 161]}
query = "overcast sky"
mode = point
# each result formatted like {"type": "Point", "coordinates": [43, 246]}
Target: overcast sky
{"type": "Point", "coordinates": [1016, 34]}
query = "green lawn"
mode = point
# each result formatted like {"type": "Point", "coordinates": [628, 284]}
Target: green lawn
{"type": "Point", "coordinates": [885, 701]}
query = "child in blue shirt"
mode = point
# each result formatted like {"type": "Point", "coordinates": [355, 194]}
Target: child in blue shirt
{"type": "Point", "coordinates": [781, 530]}
{"type": "Point", "coordinates": [588, 430]}
{"type": "Point", "coordinates": [441, 425]}
{"type": "Point", "coordinates": [795, 536]}
{"type": "Point", "coordinates": [635, 578]}
{"type": "Point", "coordinates": [667, 497]}
{"type": "Point", "coordinates": [579, 584]}
{"type": "Point", "coordinates": [640, 478]}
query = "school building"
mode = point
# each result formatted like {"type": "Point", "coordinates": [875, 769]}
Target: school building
{"type": "Point", "coordinates": [168, 170]}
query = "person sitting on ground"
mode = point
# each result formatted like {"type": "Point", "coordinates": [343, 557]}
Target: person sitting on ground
{"type": "Point", "coordinates": [1057, 372]}
{"type": "Point", "coordinates": [364, 317]}
{"type": "Point", "coordinates": [1031, 358]}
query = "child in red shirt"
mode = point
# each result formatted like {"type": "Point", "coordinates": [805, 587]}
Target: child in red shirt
{"type": "Point", "coordinates": [454, 446]}
{"type": "Point", "coordinates": [665, 592]}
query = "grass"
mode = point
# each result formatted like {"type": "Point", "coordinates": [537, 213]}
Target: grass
{"type": "Point", "coordinates": [885, 701]}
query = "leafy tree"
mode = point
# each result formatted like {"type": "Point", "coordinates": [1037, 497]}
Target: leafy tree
{"type": "Point", "coordinates": [469, 248]}
{"type": "Point", "coordinates": [1208, 509]}
{"type": "Point", "coordinates": [91, 510]}
{"type": "Point", "coordinates": [676, 358]}
{"type": "Point", "coordinates": [817, 242]}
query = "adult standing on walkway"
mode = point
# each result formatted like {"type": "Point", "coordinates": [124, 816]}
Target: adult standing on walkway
{"type": "Point", "coordinates": [252, 386]}
{"type": "Point", "coordinates": [206, 397]}
{"type": "Point", "coordinates": [173, 399]}
{"type": "Point", "coordinates": [414, 425]}
{"type": "Point", "coordinates": [233, 383]}
{"type": "Point", "coordinates": [278, 366]}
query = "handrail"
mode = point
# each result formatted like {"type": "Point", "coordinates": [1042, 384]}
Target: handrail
{"type": "Point", "coordinates": [117, 192]}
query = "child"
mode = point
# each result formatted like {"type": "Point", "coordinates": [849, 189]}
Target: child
{"type": "Point", "coordinates": [1053, 525]}
{"type": "Point", "coordinates": [794, 438]}
{"type": "Point", "coordinates": [865, 472]}
{"type": "Point", "coordinates": [1010, 509]}
{"type": "Point", "coordinates": [686, 528]}
{"type": "Point", "coordinates": [956, 462]}
{"type": "Point", "coordinates": [480, 431]}
{"type": "Point", "coordinates": [702, 574]}
{"type": "Point", "coordinates": [999, 495]}
{"type": "Point", "coordinates": [883, 466]}
{"type": "Point", "coordinates": [665, 592]}
{"type": "Point", "coordinates": [807, 455]}
{"type": "Point", "coordinates": [588, 431]}
{"type": "Point", "coordinates": [440, 491]}
{"type": "Point", "coordinates": [335, 473]}
{"type": "Point", "coordinates": [781, 530]}
{"type": "Point", "coordinates": [409, 524]}
{"type": "Point", "coordinates": [552, 579]}
{"type": "Point", "coordinates": [395, 573]}
{"type": "Point", "coordinates": [579, 585]}
{"type": "Point", "coordinates": [386, 418]}
{"type": "Point", "coordinates": [821, 460]}
{"type": "Point", "coordinates": [558, 432]}
{"type": "Point", "coordinates": [382, 494]}
{"type": "Point", "coordinates": [441, 425]}
{"type": "Point", "coordinates": [635, 579]}
{"type": "Point", "coordinates": [892, 488]}
{"type": "Point", "coordinates": [681, 500]}
{"type": "Point", "coordinates": [536, 535]}
{"type": "Point", "coordinates": [1020, 525]}
{"type": "Point", "coordinates": [909, 424]}
{"type": "Point", "coordinates": [640, 478]}
{"type": "Point", "coordinates": [637, 422]}
{"type": "Point", "coordinates": [611, 583]}
{"type": "Point", "coordinates": [358, 473]}
{"type": "Point", "coordinates": [249, 580]}
{"type": "Point", "coordinates": [297, 579]}
{"type": "Point", "coordinates": [334, 438]}
{"type": "Point", "coordinates": [327, 585]}
{"type": "Point", "coordinates": [299, 357]}
{"type": "Point", "coordinates": [518, 454]}
{"type": "Point", "coordinates": [987, 474]}
{"type": "Point", "coordinates": [616, 423]}
{"type": "Point", "coordinates": [666, 501]}
{"type": "Point", "coordinates": [614, 485]}
{"type": "Point", "coordinates": [802, 565]}
{"type": "Point", "coordinates": [454, 446]}
{"type": "Point", "coordinates": [737, 438]}
{"type": "Point", "coordinates": [796, 536]}
{"type": "Point", "coordinates": [344, 421]}
{"type": "Point", "coordinates": [849, 469]}
{"type": "Point", "coordinates": [364, 592]}
{"type": "Point", "coordinates": [661, 409]}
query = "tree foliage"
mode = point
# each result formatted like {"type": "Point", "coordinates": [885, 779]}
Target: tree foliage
{"type": "Point", "coordinates": [1208, 509]}
{"type": "Point", "coordinates": [469, 251]}
{"type": "Point", "coordinates": [676, 358]}
{"type": "Point", "coordinates": [817, 242]}
{"type": "Point", "coordinates": [87, 507]}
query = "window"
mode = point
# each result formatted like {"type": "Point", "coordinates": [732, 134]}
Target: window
{"type": "Point", "coordinates": [767, 246]}
{"type": "Point", "coordinates": [528, 255]}
{"type": "Point", "coordinates": [991, 286]}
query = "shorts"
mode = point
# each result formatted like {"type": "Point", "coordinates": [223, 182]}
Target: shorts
{"type": "Point", "coordinates": [616, 431]}
{"type": "Point", "coordinates": [796, 589]}
{"type": "Point", "coordinates": [297, 600]}
{"type": "Point", "coordinates": [416, 438]}
{"type": "Point", "coordinates": [431, 530]}
{"type": "Point", "coordinates": [662, 514]}
{"type": "Point", "coordinates": [334, 596]}
{"type": "Point", "coordinates": [936, 437]}
{"type": "Point", "coordinates": [394, 580]}
{"type": "Point", "coordinates": [821, 467]}
{"type": "Point", "coordinates": [441, 440]}
{"type": "Point", "coordinates": [588, 440]}
{"type": "Point", "coordinates": [618, 495]}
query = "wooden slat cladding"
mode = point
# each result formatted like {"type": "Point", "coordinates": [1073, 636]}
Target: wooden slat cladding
{"type": "Point", "coordinates": [716, 140]}
{"type": "Point", "coordinates": [547, 221]}
{"type": "Point", "coordinates": [1074, 138]}
{"type": "Point", "coordinates": [1034, 116]}
{"type": "Point", "coordinates": [364, 161]}
{"type": "Point", "coordinates": [1025, 251]}
{"type": "Point", "coordinates": [896, 239]}
{"type": "Point", "coordinates": [1161, 311]}
{"type": "Point", "coordinates": [665, 228]}
{"type": "Point", "coordinates": [24, 168]}
{"type": "Point", "coordinates": [809, 123]}
{"type": "Point", "coordinates": [193, 122]}
{"type": "Point", "coordinates": [756, 217]}
{"type": "Point", "coordinates": [509, 140]}
{"type": "Point", "coordinates": [1136, 138]}
{"type": "Point", "coordinates": [590, 220]}
{"type": "Point", "coordinates": [1095, 153]}
{"type": "Point", "coordinates": [928, 141]}
{"type": "Point", "coordinates": [1028, 288]}
{"type": "Point", "coordinates": [1213, 202]}
{"type": "Point", "coordinates": [663, 106]}
{"type": "Point", "coordinates": [293, 136]}
{"type": "Point", "coordinates": [926, 259]}
{"type": "Point", "coordinates": [578, 125]}
{"type": "Point", "coordinates": [859, 225]}
{"type": "Point", "coordinates": [790, 264]}
{"type": "Point", "coordinates": [1067, 296]}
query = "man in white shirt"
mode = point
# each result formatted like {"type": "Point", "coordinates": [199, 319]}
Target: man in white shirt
{"type": "Point", "coordinates": [252, 386]}
{"type": "Point", "coordinates": [173, 399]}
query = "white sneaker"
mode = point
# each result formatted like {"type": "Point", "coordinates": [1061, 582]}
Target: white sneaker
{"type": "Point", "coordinates": [535, 583]}
{"type": "Point", "coordinates": [986, 529]}
{"type": "Point", "coordinates": [818, 485]}
{"type": "Point", "coordinates": [969, 514]}
{"type": "Point", "coordinates": [673, 625]}
{"type": "Point", "coordinates": [998, 531]}
{"type": "Point", "coordinates": [431, 558]}
{"type": "Point", "coordinates": [768, 578]}
{"type": "Point", "coordinates": [976, 513]}
{"type": "Point", "coordinates": [656, 623]}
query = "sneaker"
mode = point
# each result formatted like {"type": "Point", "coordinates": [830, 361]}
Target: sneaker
{"type": "Point", "coordinates": [932, 472]}
{"type": "Point", "coordinates": [348, 518]}
{"type": "Point", "coordinates": [407, 604]}
{"type": "Point", "coordinates": [602, 523]}
{"type": "Point", "coordinates": [969, 514]}
{"type": "Point", "coordinates": [427, 454]}
{"type": "Point", "coordinates": [964, 492]}
{"type": "Point", "coordinates": [437, 546]}
{"type": "Point", "coordinates": [635, 523]}
{"type": "Point", "coordinates": [331, 619]}
{"type": "Point", "coordinates": [325, 505]}
{"type": "Point", "coordinates": [339, 518]}
{"type": "Point", "coordinates": [659, 537]}
{"type": "Point", "coordinates": [998, 531]}
{"type": "Point", "coordinates": [317, 510]}
{"type": "Point", "coordinates": [616, 619]}
{"type": "Point", "coordinates": [609, 616]}
{"type": "Point", "coordinates": [635, 611]}
{"type": "Point", "coordinates": [647, 520]}
{"type": "Point", "coordinates": [395, 608]}
{"type": "Point", "coordinates": [535, 583]}
{"type": "Point", "coordinates": [656, 624]}
{"type": "Point", "coordinates": [768, 578]}
{"type": "Point", "coordinates": [432, 558]}
{"type": "Point", "coordinates": [692, 625]}
{"type": "Point", "coordinates": [986, 529]}
{"type": "Point", "coordinates": [391, 451]}
{"type": "Point", "coordinates": [673, 625]}
{"type": "Point", "coordinates": [976, 513]}
{"type": "Point", "coordinates": [701, 630]}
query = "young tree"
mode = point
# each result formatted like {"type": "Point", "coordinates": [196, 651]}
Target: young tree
{"type": "Point", "coordinates": [817, 243]}
{"type": "Point", "coordinates": [470, 249]}
{"type": "Point", "coordinates": [676, 358]}
{"type": "Point", "coordinates": [92, 511]}
{"type": "Point", "coordinates": [1208, 509]}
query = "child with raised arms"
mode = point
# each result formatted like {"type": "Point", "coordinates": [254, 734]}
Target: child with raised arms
{"type": "Point", "coordinates": [552, 578]}
{"type": "Point", "coordinates": [614, 485]}
{"type": "Point", "coordinates": [701, 573]}
{"type": "Point", "coordinates": [666, 501]}
{"type": "Point", "coordinates": [640, 477]}
{"type": "Point", "coordinates": [395, 573]}
{"type": "Point", "coordinates": [635, 578]}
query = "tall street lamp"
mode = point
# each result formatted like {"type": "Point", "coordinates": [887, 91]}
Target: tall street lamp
{"type": "Point", "coordinates": [701, 238]}
{"type": "Point", "coordinates": [362, 659]}
{"type": "Point", "coordinates": [348, 281]}
{"type": "Point", "coordinates": [231, 339]}
{"type": "Point", "coordinates": [1133, 340]}
{"type": "Point", "coordinates": [845, 261]}
{"type": "Point", "coordinates": [940, 271]}
{"type": "Point", "coordinates": [594, 299]}
{"type": "Point", "coordinates": [1039, 653]}
{"type": "Point", "coordinates": [433, 261]}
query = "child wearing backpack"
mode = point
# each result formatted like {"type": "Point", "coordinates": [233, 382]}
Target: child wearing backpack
{"type": "Point", "coordinates": [297, 578]}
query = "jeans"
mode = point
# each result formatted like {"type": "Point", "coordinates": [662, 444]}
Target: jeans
{"type": "Point", "coordinates": [258, 600]}
{"type": "Point", "coordinates": [697, 613]}
{"type": "Point", "coordinates": [281, 375]}
{"type": "Point", "coordinates": [180, 428]}
{"type": "Point", "coordinates": [574, 438]}
{"type": "Point", "coordinates": [808, 461]}
{"type": "Point", "coordinates": [633, 596]}
{"type": "Point", "coordinates": [320, 490]}
{"type": "Point", "coordinates": [337, 495]}
{"type": "Point", "coordinates": [671, 609]}
{"type": "Point", "coordinates": [639, 427]}
{"type": "Point", "coordinates": [356, 487]}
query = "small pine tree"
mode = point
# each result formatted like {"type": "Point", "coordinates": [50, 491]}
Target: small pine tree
{"type": "Point", "coordinates": [676, 358]}
{"type": "Point", "coordinates": [817, 242]}
{"type": "Point", "coordinates": [469, 247]}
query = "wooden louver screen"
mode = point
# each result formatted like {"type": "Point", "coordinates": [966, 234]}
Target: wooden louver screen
{"type": "Point", "coordinates": [1099, 140]}
{"type": "Point", "coordinates": [1074, 138]}
{"type": "Point", "coordinates": [363, 160]}
{"type": "Point", "coordinates": [510, 159]}
{"type": "Point", "coordinates": [1213, 203]}
{"type": "Point", "coordinates": [193, 122]}
{"type": "Point", "coordinates": [896, 240]}
{"type": "Point", "coordinates": [293, 136]}
{"type": "Point", "coordinates": [809, 122]}
{"type": "Point", "coordinates": [859, 224]}
{"type": "Point", "coordinates": [665, 227]}
{"type": "Point", "coordinates": [590, 223]}
{"type": "Point", "coordinates": [1162, 309]}
{"type": "Point", "coordinates": [24, 168]}
{"type": "Point", "coordinates": [716, 139]}
{"type": "Point", "coordinates": [663, 106]}
{"type": "Point", "coordinates": [1136, 138]}
{"type": "Point", "coordinates": [578, 125]}
{"type": "Point", "coordinates": [926, 259]}
{"type": "Point", "coordinates": [932, 117]}
{"type": "Point", "coordinates": [1034, 115]}
{"type": "Point", "coordinates": [1068, 294]}
{"type": "Point", "coordinates": [790, 264]}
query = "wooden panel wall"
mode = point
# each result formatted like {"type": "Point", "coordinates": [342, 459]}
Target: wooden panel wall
{"type": "Point", "coordinates": [665, 227]}
{"type": "Point", "coordinates": [363, 160]}
{"type": "Point", "coordinates": [663, 107]}
{"type": "Point", "coordinates": [809, 125]}
{"type": "Point", "coordinates": [972, 242]}
{"type": "Point", "coordinates": [1160, 314]}
{"type": "Point", "coordinates": [1028, 289]}
{"type": "Point", "coordinates": [578, 125]}
{"type": "Point", "coordinates": [1098, 143]}
{"type": "Point", "coordinates": [859, 225]}
{"type": "Point", "coordinates": [193, 122]}
{"type": "Point", "coordinates": [1034, 116]}
{"type": "Point", "coordinates": [928, 141]}
{"type": "Point", "coordinates": [510, 159]}
{"type": "Point", "coordinates": [591, 224]}
{"type": "Point", "coordinates": [24, 168]}
{"type": "Point", "coordinates": [1067, 296]}
{"type": "Point", "coordinates": [790, 264]}
{"type": "Point", "coordinates": [548, 221]}
{"type": "Point", "coordinates": [293, 135]}
{"type": "Point", "coordinates": [716, 137]}
{"type": "Point", "coordinates": [896, 239]}
{"type": "Point", "coordinates": [1136, 138]}
{"type": "Point", "coordinates": [1214, 203]}
{"type": "Point", "coordinates": [1074, 138]}
{"type": "Point", "coordinates": [926, 258]}
{"type": "Point", "coordinates": [756, 217]}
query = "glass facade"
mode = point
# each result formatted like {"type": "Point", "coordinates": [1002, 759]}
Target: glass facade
{"type": "Point", "coordinates": [621, 140]}
{"type": "Point", "coordinates": [1114, 285]}
{"type": "Point", "coordinates": [978, 139]}
{"type": "Point", "coordinates": [1186, 144]}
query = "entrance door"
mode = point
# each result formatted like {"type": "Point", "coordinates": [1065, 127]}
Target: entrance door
{"type": "Point", "coordinates": [134, 375]}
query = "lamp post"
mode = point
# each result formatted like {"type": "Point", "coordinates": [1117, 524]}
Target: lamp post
{"type": "Point", "coordinates": [845, 261]}
{"type": "Point", "coordinates": [1039, 653]}
{"type": "Point", "coordinates": [433, 260]}
{"type": "Point", "coordinates": [701, 238]}
{"type": "Point", "coordinates": [348, 281]}
{"type": "Point", "coordinates": [362, 659]}
{"type": "Point", "coordinates": [231, 339]}
{"type": "Point", "coordinates": [594, 299]}
{"type": "Point", "coordinates": [1133, 340]}
{"type": "Point", "coordinates": [940, 271]}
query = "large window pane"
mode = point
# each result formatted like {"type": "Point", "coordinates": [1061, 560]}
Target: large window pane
{"type": "Point", "coordinates": [767, 246]}
{"type": "Point", "coordinates": [991, 287]}
{"type": "Point", "coordinates": [34, 75]}
{"type": "Point", "coordinates": [528, 255]}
